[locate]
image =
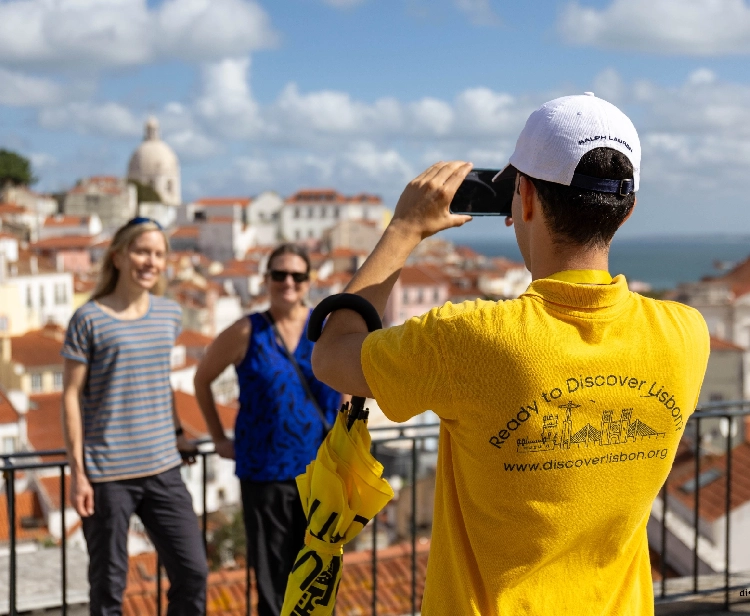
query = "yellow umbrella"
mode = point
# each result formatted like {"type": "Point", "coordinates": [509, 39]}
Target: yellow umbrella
{"type": "Point", "coordinates": [341, 491]}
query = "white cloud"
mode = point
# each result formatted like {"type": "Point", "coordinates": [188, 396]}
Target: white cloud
{"type": "Point", "coordinates": [696, 28]}
{"type": "Point", "coordinates": [19, 90]}
{"type": "Point", "coordinates": [108, 119]}
{"type": "Point", "coordinates": [91, 34]}
{"type": "Point", "coordinates": [479, 12]}
{"type": "Point", "coordinates": [226, 101]}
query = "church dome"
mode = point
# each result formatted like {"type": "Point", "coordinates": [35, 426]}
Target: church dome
{"type": "Point", "coordinates": [155, 164]}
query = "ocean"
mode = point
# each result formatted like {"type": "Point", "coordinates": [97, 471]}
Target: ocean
{"type": "Point", "coordinates": [662, 262]}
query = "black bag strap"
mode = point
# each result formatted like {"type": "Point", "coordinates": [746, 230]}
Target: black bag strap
{"type": "Point", "coordinates": [269, 317]}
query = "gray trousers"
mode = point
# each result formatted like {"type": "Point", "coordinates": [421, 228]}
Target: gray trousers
{"type": "Point", "coordinates": [163, 504]}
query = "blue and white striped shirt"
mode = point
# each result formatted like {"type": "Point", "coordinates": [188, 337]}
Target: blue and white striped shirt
{"type": "Point", "coordinates": [126, 403]}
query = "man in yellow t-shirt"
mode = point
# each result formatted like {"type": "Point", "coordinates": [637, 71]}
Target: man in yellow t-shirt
{"type": "Point", "coordinates": [561, 411]}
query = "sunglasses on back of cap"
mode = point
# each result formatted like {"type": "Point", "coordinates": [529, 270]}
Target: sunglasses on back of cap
{"type": "Point", "coordinates": [280, 276]}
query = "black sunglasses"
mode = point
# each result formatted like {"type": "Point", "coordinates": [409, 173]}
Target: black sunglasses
{"type": "Point", "coordinates": [280, 276]}
{"type": "Point", "coordinates": [139, 220]}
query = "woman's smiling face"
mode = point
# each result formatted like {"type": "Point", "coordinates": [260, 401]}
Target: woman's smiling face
{"type": "Point", "coordinates": [142, 263]}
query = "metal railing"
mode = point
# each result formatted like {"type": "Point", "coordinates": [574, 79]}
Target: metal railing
{"type": "Point", "coordinates": [411, 440]}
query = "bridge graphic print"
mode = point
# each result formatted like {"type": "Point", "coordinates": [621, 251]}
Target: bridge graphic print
{"type": "Point", "coordinates": [559, 434]}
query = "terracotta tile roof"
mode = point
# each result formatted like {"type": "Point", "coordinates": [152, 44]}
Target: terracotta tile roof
{"type": "Point", "coordinates": [466, 252]}
{"type": "Point", "coordinates": [419, 275]}
{"type": "Point", "coordinates": [100, 183]}
{"type": "Point", "coordinates": [51, 487]}
{"type": "Point", "coordinates": [27, 507]}
{"type": "Point", "coordinates": [713, 494]}
{"type": "Point", "coordinates": [190, 338]}
{"type": "Point", "coordinates": [222, 220]}
{"type": "Point", "coordinates": [40, 347]}
{"type": "Point", "coordinates": [221, 201]}
{"type": "Point", "coordinates": [347, 252]}
{"type": "Point", "coordinates": [719, 344]}
{"type": "Point", "coordinates": [365, 198]}
{"type": "Point", "coordinates": [192, 418]}
{"type": "Point", "coordinates": [188, 231]}
{"type": "Point", "coordinates": [66, 221]}
{"type": "Point", "coordinates": [226, 588]}
{"type": "Point", "coordinates": [65, 242]}
{"type": "Point", "coordinates": [235, 268]}
{"type": "Point", "coordinates": [8, 414]}
{"type": "Point", "coordinates": [43, 422]}
{"type": "Point", "coordinates": [313, 196]}
{"type": "Point", "coordinates": [11, 208]}
{"type": "Point", "coordinates": [7, 236]}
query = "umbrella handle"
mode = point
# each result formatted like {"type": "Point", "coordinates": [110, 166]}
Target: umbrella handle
{"type": "Point", "coordinates": [340, 301]}
{"type": "Point", "coordinates": [367, 311]}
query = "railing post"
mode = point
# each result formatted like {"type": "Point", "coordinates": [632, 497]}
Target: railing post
{"type": "Point", "coordinates": [663, 563]}
{"type": "Point", "coordinates": [414, 526]}
{"type": "Point", "coordinates": [375, 551]}
{"type": "Point", "coordinates": [10, 491]}
{"type": "Point", "coordinates": [729, 514]}
{"type": "Point", "coordinates": [696, 502]}
{"type": "Point", "coordinates": [63, 544]}
{"type": "Point", "coordinates": [204, 460]}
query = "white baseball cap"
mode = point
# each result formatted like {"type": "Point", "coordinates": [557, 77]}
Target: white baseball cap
{"type": "Point", "coordinates": [562, 130]}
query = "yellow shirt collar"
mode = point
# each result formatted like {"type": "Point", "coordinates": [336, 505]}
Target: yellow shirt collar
{"type": "Point", "coordinates": [583, 276]}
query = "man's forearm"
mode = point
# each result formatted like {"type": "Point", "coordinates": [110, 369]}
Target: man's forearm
{"type": "Point", "coordinates": [375, 279]}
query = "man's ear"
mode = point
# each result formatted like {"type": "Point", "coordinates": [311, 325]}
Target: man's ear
{"type": "Point", "coordinates": [528, 198]}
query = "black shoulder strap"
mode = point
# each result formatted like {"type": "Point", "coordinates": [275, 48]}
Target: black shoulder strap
{"type": "Point", "coordinates": [269, 317]}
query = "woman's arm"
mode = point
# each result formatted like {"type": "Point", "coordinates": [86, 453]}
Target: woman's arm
{"type": "Point", "coordinates": [228, 348]}
{"type": "Point", "coordinates": [81, 492]}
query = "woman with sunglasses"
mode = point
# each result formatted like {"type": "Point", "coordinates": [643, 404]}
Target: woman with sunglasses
{"type": "Point", "coordinates": [283, 417]}
{"type": "Point", "coordinates": [122, 434]}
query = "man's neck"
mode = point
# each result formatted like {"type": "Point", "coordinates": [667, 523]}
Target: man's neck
{"type": "Point", "coordinates": [553, 258]}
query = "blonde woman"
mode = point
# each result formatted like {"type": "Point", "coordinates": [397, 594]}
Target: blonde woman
{"type": "Point", "coordinates": [122, 434]}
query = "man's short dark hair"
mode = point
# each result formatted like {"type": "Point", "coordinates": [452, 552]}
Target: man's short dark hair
{"type": "Point", "coordinates": [584, 217]}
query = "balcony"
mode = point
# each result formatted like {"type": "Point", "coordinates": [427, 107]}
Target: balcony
{"type": "Point", "coordinates": [699, 533]}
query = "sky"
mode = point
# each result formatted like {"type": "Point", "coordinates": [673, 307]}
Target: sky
{"type": "Point", "coordinates": [362, 95]}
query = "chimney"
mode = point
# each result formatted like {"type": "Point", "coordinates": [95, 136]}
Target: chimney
{"type": "Point", "coordinates": [34, 264]}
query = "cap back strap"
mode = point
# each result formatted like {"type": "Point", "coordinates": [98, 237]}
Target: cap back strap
{"type": "Point", "coordinates": [620, 187]}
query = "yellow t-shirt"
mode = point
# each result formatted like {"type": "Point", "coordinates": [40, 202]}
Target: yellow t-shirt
{"type": "Point", "coordinates": [560, 413]}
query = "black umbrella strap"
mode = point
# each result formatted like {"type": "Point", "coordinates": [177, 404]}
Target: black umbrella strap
{"type": "Point", "coordinates": [269, 317]}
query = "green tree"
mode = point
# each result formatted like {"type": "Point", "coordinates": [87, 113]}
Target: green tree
{"type": "Point", "coordinates": [227, 543]}
{"type": "Point", "coordinates": [15, 169]}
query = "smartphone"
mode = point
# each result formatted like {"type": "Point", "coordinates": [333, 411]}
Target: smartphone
{"type": "Point", "coordinates": [485, 192]}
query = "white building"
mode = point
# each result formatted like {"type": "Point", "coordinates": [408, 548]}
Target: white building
{"type": "Point", "coordinates": [112, 199]}
{"type": "Point", "coordinates": [308, 214]}
{"type": "Point", "coordinates": [44, 293]}
{"type": "Point", "coordinates": [60, 225]}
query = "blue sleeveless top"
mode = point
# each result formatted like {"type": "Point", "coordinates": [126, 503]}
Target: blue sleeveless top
{"type": "Point", "coordinates": [278, 430]}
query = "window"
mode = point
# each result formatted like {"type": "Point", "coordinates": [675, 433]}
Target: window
{"type": "Point", "coordinates": [36, 383]}
{"type": "Point", "coordinates": [4, 326]}
{"type": "Point", "coordinates": [323, 212]}
{"type": "Point", "coordinates": [297, 234]}
{"type": "Point", "coordinates": [296, 212]}
{"type": "Point", "coordinates": [336, 212]}
{"type": "Point", "coordinates": [310, 212]}
{"type": "Point", "coordinates": [436, 295]}
{"type": "Point", "coordinates": [420, 296]}
{"type": "Point", "coordinates": [41, 297]}
{"type": "Point", "coordinates": [406, 297]}
{"type": "Point", "coordinates": [310, 233]}
{"type": "Point", "coordinates": [58, 380]}
{"type": "Point", "coordinates": [29, 299]}
{"type": "Point", "coordinates": [61, 295]}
